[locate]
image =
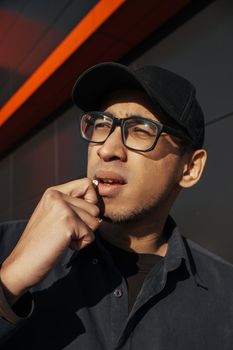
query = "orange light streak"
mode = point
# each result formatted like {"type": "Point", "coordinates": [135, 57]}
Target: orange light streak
{"type": "Point", "coordinates": [84, 29]}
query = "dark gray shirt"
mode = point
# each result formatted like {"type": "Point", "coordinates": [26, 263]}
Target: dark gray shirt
{"type": "Point", "coordinates": [186, 302]}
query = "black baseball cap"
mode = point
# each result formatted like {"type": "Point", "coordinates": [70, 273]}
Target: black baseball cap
{"type": "Point", "coordinates": [171, 94]}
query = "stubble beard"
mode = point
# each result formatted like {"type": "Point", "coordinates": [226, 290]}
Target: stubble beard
{"type": "Point", "coordinates": [147, 210]}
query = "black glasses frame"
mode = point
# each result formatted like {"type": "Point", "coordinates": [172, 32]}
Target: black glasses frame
{"type": "Point", "coordinates": [121, 122]}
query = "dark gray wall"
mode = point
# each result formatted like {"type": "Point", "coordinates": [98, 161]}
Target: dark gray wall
{"type": "Point", "coordinates": [54, 155]}
{"type": "Point", "coordinates": [202, 51]}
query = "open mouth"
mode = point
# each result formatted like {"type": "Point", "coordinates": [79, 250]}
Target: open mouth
{"type": "Point", "coordinates": [109, 183]}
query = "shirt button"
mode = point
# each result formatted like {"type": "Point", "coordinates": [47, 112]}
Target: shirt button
{"type": "Point", "coordinates": [118, 293]}
{"type": "Point", "coordinates": [94, 261]}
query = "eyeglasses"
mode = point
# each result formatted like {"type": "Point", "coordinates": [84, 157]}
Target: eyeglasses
{"type": "Point", "coordinates": [137, 133]}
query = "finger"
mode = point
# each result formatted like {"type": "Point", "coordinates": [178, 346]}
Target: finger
{"type": "Point", "coordinates": [91, 208]}
{"type": "Point", "coordinates": [82, 242]}
{"type": "Point", "coordinates": [82, 236]}
{"type": "Point", "coordinates": [82, 188]}
{"type": "Point", "coordinates": [91, 221]}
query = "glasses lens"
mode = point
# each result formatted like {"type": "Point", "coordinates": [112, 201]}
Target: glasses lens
{"type": "Point", "coordinates": [139, 133]}
{"type": "Point", "coordinates": [95, 127]}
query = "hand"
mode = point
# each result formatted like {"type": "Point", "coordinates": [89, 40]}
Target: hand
{"type": "Point", "coordinates": [66, 216]}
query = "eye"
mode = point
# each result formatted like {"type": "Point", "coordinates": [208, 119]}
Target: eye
{"type": "Point", "coordinates": [100, 125]}
{"type": "Point", "coordinates": [143, 131]}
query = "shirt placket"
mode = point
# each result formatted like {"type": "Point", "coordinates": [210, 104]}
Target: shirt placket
{"type": "Point", "coordinates": [119, 311]}
{"type": "Point", "coordinates": [144, 296]}
{"type": "Point", "coordinates": [118, 300]}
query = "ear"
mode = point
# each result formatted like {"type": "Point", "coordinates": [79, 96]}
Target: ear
{"type": "Point", "coordinates": [193, 168]}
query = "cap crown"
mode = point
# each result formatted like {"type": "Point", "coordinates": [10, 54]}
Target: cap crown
{"type": "Point", "coordinates": [177, 97]}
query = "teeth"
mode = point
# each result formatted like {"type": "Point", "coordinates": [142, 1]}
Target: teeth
{"type": "Point", "coordinates": [108, 181]}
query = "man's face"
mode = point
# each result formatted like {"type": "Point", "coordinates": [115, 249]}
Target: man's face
{"type": "Point", "coordinates": [132, 183]}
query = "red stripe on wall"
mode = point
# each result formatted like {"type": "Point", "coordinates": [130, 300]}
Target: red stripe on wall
{"type": "Point", "coordinates": [90, 23]}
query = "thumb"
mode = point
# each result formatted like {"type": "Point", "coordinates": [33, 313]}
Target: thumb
{"type": "Point", "coordinates": [81, 188]}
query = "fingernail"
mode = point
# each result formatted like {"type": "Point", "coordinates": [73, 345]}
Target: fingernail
{"type": "Point", "coordinates": [100, 220]}
{"type": "Point", "coordinates": [95, 182]}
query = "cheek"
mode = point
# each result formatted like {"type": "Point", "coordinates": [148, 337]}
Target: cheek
{"type": "Point", "coordinates": [154, 176]}
{"type": "Point", "coordinates": [92, 160]}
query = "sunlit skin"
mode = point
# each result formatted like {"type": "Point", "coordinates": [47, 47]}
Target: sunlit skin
{"type": "Point", "coordinates": [137, 212]}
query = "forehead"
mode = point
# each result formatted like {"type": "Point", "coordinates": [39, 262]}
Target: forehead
{"type": "Point", "coordinates": [129, 101]}
{"type": "Point", "coordinates": [126, 102]}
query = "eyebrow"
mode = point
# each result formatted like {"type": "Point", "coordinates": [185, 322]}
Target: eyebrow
{"type": "Point", "coordinates": [130, 114]}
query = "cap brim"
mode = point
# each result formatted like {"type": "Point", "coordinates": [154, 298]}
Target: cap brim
{"type": "Point", "coordinates": [99, 81]}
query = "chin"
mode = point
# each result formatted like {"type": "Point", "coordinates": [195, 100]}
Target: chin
{"type": "Point", "coordinates": [124, 215]}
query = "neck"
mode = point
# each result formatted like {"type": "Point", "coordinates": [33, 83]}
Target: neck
{"type": "Point", "coordinates": [141, 236]}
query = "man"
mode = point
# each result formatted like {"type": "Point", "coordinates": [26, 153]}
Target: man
{"type": "Point", "coordinates": [131, 281]}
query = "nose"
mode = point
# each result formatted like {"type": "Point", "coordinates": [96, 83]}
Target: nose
{"type": "Point", "coordinates": [113, 148]}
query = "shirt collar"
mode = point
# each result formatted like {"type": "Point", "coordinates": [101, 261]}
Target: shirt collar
{"type": "Point", "coordinates": [177, 252]}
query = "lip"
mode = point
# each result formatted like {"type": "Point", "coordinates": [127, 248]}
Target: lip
{"type": "Point", "coordinates": [109, 189]}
